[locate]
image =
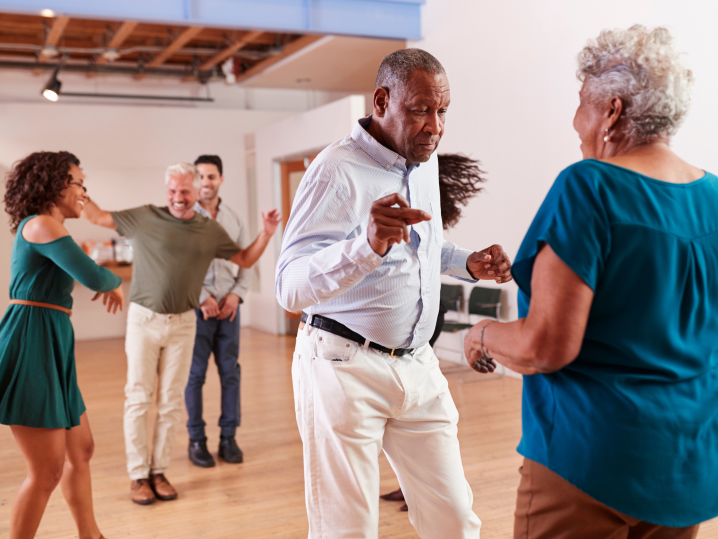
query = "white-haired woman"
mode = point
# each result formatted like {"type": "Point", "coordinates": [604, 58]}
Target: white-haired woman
{"type": "Point", "coordinates": [618, 334]}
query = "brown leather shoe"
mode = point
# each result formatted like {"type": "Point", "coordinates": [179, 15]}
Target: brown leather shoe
{"type": "Point", "coordinates": [142, 492]}
{"type": "Point", "coordinates": [163, 490]}
{"type": "Point", "coordinates": [396, 496]}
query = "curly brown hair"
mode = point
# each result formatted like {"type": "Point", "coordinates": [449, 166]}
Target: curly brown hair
{"type": "Point", "coordinates": [35, 183]}
{"type": "Point", "coordinates": [459, 177]}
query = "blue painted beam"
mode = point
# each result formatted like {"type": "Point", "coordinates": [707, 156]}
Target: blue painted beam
{"type": "Point", "coordinates": [391, 19]}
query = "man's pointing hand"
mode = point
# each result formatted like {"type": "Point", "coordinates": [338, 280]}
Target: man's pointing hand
{"type": "Point", "coordinates": [389, 225]}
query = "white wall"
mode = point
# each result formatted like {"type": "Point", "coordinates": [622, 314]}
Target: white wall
{"type": "Point", "coordinates": [299, 135]}
{"type": "Point", "coordinates": [124, 151]}
{"type": "Point", "coordinates": [511, 66]}
{"type": "Point", "coordinates": [21, 86]}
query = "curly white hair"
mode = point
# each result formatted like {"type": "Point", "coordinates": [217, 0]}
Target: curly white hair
{"type": "Point", "coordinates": [644, 69]}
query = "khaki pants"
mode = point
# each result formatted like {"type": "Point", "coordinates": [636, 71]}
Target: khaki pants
{"type": "Point", "coordinates": [549, 507]}
{"type": "Point", "coordinates": [351, 402]}
{"type": "Point", "coordinates": [156, 345]}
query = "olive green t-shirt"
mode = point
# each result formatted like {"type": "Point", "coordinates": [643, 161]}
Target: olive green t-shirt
{"type": "Point", "coordinates": [171, 256]}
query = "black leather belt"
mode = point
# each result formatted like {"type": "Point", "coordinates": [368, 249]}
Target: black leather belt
{"type": "Point", "coordinates": [332, 326]}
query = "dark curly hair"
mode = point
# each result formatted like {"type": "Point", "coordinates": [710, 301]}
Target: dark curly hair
{"type": "Point", "coordinates": [459, 177]}
{"type": "Point", "coordinates": [35, 183]}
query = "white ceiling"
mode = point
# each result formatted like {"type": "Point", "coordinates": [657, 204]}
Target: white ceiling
{"type": "Point", "coordinates": [332, 64]}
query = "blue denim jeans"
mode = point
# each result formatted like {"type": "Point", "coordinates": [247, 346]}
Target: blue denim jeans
{"type": "Point", "coordinates": [220, 337]}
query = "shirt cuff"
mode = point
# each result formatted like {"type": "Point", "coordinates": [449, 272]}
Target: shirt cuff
{"type": "Point", "coordinates": [457, 265]}
{"type": "Point", "coordinates": [362, 254]}
{"type": "Point", "coordinates": [203, 296]}
{"type": "Point", "coordinates": [241, 291]}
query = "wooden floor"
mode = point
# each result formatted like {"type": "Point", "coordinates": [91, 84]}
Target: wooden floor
{"type": "Point", "coordinates": [264, 496]}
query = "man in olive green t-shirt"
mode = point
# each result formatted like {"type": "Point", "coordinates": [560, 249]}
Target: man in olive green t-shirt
{"type": "Point", "coordinates": [173, 248]}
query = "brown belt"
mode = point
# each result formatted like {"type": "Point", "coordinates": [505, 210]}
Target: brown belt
{"type": "Point", "coordinates": [38, 304]}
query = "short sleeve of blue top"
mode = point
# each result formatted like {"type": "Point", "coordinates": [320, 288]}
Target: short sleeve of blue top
{"type": "Point", "coordinates": [633, 421]}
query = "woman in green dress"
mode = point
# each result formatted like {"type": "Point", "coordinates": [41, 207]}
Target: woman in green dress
{"type": "Point", "coordinates": [39, 396]}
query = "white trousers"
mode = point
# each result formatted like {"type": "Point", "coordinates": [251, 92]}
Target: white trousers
{"type": "Point", "coordinates": [156, 345]}
{"type": "Point", "coordinates": [351, 402]}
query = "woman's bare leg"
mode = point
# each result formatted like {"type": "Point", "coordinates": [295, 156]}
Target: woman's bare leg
{"type": "Point", "coordinates": [44, 452]}
{"type": "Point", "coordinates": [76, 481]}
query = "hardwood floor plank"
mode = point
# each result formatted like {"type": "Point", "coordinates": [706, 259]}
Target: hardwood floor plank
{"type": "Point", "coordinates": [264, 496]}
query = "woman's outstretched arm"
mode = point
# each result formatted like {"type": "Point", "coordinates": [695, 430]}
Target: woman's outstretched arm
{"type": "Point", "coordinates": [550, 337]}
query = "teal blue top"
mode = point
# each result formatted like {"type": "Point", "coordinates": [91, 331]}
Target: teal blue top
{"type": "Point", "coordinates": [633, 421]}
{"type": "Point", "coordinates": [38, 381]}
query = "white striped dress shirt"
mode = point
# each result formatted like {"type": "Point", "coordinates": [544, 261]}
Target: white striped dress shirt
{"type": "Point", "coordinates": [224, 277]}
{"type": "Point", "coordinates": [327, 266]}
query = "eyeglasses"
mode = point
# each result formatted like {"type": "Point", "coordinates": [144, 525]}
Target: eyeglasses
{"type": "Point", "coordinates": [79, 185]}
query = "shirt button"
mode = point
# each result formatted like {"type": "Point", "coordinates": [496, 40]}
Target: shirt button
{"type": "Point", "coordinates": [388, 166]}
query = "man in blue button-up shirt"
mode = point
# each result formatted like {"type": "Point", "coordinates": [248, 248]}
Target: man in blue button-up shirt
{"type": "Point", "coordinates": [223, 288]}
{"type": "Point", "coordinates": [361, 256]}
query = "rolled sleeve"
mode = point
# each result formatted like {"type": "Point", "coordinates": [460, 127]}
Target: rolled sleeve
{"type": "Point", "coordinates": [204, 295]}
{"type": "Point", "coordinates": [573, 220]}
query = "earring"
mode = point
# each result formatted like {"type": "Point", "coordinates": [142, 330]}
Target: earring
{"type": "Point", "coordinates": [606, 137]}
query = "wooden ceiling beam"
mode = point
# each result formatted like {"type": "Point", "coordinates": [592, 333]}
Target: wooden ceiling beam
{"type": "Point", "coordinates": [247, 39]}
{"type": "Point", "coordinates": [53, 37]}
{"type": "Point", "coordinates": [288, 50]}
{"type": "Point", "coordinates": [122, 33]}
{"type": "Point", "coordinates": [185, 37]}
{"type": "Point", "coordinates": [220, 57]}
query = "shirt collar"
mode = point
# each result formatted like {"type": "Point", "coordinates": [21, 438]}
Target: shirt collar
{"type": "Point", "coordinates": [381, 154]}
{"type": "Point", "coordinates": [198, 208]}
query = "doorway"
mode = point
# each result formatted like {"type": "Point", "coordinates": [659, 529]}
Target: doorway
{"type": "Point", "coordinates": [292, 174]}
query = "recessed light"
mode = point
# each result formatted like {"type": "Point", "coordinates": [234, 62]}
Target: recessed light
{"type": "Point", "coordinates": [111, 55]}
{"type": "Point", "coordinates": [47, 13]}
{"type": "Point", "coordinates": [50, 52]}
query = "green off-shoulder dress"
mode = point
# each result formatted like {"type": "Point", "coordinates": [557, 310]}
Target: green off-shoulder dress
{"type": "Point", "coordinates": [38, 383]}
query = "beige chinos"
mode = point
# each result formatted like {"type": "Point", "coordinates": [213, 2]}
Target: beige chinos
{"type": "Point", "coordinates": [157, 345]}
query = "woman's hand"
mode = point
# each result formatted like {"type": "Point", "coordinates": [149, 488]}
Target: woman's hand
{"type": "Point", "coordinates": [472, 349]}
{"type": "Point", "coordinates": [112, 300]}
{"type": "Point", "coordinates": [551, 335]}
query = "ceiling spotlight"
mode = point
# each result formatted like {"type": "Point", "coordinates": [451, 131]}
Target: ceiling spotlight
{"type": "Point", "coordinates": [47, 13]}
{"type": "Point", "coordinates": [111, 55]}
{"type": "Point", "coordinates": [52, 88]}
